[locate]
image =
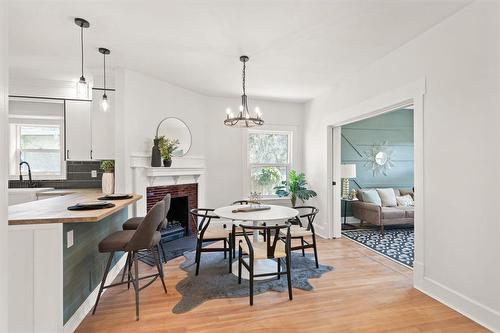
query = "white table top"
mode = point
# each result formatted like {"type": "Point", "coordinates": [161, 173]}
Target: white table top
{"type": "Point", "coordinates": [275, 213]}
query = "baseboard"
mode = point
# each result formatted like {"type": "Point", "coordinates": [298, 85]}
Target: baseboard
{"type": "Point", "coordinates": [470, 308]}
{"type": "Point", "coordinates": [76, 319]}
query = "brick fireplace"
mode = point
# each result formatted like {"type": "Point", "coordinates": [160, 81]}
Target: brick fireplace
{"type": "Point", "coordinates": [184, 198]}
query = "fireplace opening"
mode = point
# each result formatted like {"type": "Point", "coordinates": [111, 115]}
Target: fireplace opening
{"type": "Point", "coordinates": [178, 220]}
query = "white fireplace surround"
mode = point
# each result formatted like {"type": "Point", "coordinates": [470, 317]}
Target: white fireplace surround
{"type": "Point", "coordinates": [184, 170]}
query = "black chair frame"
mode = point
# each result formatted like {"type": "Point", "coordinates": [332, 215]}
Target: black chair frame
{"type": "Point", "coordinates": [273, 236]}
{"type": "Point", "coordinates": [304, 244]}
{"type": "Point", "coordinates": [202, 218]}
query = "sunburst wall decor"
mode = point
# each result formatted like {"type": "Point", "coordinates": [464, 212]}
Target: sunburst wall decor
{"type": "Point", "coordinates": [379, 158]}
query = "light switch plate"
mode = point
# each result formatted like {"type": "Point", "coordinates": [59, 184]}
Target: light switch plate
{"type": "Point", "coordinates": [69, 239]}
{"type": "Point", "coordinates": [93, 173]}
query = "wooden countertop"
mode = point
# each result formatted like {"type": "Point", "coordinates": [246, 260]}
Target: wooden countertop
{"type": "Point", "coordinates": [54, 210]}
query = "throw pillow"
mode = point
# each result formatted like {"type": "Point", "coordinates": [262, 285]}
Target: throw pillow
{"type": "Point", "coordinates": [388, 197]}
{"type": "Point", "coordinates": [406, 191]}
{"type": "Point", "coordinates": [371, 196]}
{"type": "Point", "coordinates": [405, 201]}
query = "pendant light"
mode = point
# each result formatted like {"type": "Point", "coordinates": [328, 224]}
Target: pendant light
{"type": "Point", "coordinates": [243, 118]}
{"type": "Point", "coordinates": [104, 100]}
{"type": "Point", "coordinates": [82, 87]}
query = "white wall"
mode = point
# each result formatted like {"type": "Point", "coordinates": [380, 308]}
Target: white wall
{"type": "Point", "coordinates": [3, 165]}
{"type": "Point", "coordinates": [142, 101]}
{"type": "Point", "coordinates": [459, 59]}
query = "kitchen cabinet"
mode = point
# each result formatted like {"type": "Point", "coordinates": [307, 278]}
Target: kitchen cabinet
{"type": "Point", "coordinates": [78, 130]}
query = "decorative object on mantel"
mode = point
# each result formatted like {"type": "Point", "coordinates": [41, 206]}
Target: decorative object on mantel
{"type": "Point", "coordinates": [167, 147]}
{"type": "Point", "coordinates": [176, 129]}
{"type": "Point", "coordinates": [82, 88]}
{"type": "Point", "coordinates": [243, 118]}
{"type": "Point", "coordinates": [379, 158]}
{"type": "Point", "coordinates": [108, 177]}
{"type": "Point", "coordinates": [295, 187]}
{"type": "Point", "coordinates": [347, 171]}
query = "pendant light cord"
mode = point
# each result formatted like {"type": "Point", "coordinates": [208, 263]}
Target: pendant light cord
{"type": "Point", "coordinates": [104, 73]}
{"type": "Point", "coordinates": [81, 40]}
{"type": "Point", "coordinates": [244, 77]}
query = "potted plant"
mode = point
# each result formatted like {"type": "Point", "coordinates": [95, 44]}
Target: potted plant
{"type": "Point", "coordinates": [167, 147]}
{"type": "Point", "coordinates": [108, 177]}
{"type": "Point", "coordinates": [295, 187]}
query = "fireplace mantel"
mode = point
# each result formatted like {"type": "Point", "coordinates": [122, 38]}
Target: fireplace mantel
{"type": "Point", "coordinates": [184, 170]}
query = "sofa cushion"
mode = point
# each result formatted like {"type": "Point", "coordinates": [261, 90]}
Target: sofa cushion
{"type": "Point", "coordinates": [387, 196]}
{"type": "Point", "coordinates": [405, 201]}
{"type": "Point", "coordinates": [406, 191]}
{"type": "Point", "coordinates": [371, 196]}
{"type": "Point", "coordinates": [389, 213]}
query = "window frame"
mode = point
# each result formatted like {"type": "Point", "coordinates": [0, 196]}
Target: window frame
{"type": "Point", "coordinates": [247, 170]}
{"type": "Point", "coordinates": [15, 147]}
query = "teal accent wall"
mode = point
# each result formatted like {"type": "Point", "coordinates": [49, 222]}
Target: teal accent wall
{"type": "Point", "coordinates": [394, 127]}
{"type": "Point", "coordinates": [83, 265]}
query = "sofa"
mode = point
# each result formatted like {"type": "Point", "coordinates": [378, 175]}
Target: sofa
{"type": "Point", "coordinates": [380, 207]}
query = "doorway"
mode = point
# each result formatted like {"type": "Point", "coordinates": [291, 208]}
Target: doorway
{"type": "Point", "coordinates": [410, 95]}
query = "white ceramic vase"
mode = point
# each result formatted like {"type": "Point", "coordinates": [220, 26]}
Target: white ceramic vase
{"type": "Point", "coordinates": [108, 183]}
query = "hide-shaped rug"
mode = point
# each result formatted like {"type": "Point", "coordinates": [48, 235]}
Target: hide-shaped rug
{"type": "Point", "coordinates": [215, 281]}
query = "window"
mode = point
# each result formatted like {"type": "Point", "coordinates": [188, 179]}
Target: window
{"type": "Point", "coordinates": [269, 160]}
{"type": "Point", "coordinates": [36, 135]}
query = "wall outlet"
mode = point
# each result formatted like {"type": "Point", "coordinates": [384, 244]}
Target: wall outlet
{"type": "Point", "coordinates": [93, 173]}
{"type": "Point", "coordinates": [69, 239]}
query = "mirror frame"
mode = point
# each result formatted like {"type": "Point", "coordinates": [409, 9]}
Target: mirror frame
{"type": "Point", "coordinates": [189, 130]}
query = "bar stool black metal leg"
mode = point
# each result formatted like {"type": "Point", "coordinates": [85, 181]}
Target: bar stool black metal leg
{"type": "Point", "coordinates": [156, 254]}
{"type": "Point", "coordinates": [105, 275]}
{"type": "Point", "coordinates": [125, 268]}
{"type": "Point", "coordinates": [136, 285]}
{"type": "Point", "coordinates": [164, 255]}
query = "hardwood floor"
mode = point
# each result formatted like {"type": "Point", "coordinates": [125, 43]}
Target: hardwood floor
{"type": "Point", "coordinates": [365, 293]}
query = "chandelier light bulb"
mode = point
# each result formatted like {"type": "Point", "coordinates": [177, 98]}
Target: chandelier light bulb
{"type": "Point", "coordinates": [241, 108]}
{"type": "Point", "coordinates": [228, 111]}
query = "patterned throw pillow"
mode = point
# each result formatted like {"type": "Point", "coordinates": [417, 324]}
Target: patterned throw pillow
{"type": "Point", "coordinates": [405, 201]}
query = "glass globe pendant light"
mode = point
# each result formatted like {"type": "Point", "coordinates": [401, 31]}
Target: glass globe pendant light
{"type": "Point", "coordinates": [82, 87]}
{"type": "Point", "coordinates": [243, 117]}
{"type": "Point", "coordinates": [104, 100]}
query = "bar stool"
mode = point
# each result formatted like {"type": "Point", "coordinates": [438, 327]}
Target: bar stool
{"type": "Point", "coordinates": [133, 222]}
{"type": "Point", "coordinates": [146, 237]}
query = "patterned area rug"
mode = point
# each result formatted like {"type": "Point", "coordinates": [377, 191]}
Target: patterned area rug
{"type": "Point", "coordinates": [214, 280]}
{"type": "Point", "coordinates": [396, 244]}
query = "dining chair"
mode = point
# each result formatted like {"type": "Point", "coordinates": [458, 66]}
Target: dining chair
{"type": "Point", "coordinates": [275, 247]}
{"type": "Point", "coordinates": [304, 227]}
{"type": "Point", "coordinates": [236, 231]}
{"type": "Point", "coordinates": [133, 223]}
{"type": "Point", "coordinates": [209, 231]}
{"type": "Point", "coordinates": [146, 237]}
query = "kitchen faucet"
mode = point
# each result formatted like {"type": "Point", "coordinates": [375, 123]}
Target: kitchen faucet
{"type": "Point", "coordinates": [30, 183]}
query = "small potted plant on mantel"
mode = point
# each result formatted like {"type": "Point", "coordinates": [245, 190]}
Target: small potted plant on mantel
{"type": "Point", "coordinates": [108, 177]}
{"type": "Point", "coordinates": [295, 187]}
{"type": "Point", "coordinates": [167, 147]}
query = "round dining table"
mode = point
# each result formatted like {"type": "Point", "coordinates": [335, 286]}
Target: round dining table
{"type": "Point", "coordinates": [278, 214]}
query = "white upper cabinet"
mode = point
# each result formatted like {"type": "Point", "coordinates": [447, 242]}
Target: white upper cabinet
{"type": "Point", "coordinates": [103, 133]}
{"type": "Point", "coordinates": [78, 130]}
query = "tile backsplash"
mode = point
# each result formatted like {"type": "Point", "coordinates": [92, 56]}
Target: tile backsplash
{"type": "Point", "coordinates": [78, 175]}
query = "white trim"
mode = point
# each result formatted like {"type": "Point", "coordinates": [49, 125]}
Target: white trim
{"type": "Point", "coordinates": [84, 309]}
{"type": "Point", "coordinates": [467, 306]}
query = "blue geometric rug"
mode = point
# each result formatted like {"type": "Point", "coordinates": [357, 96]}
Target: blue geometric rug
{"type": "Point", "coordinates": [397, 244]}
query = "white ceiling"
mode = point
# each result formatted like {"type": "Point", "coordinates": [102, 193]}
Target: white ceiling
{"type": "Point", "coordinates": [297, 48]}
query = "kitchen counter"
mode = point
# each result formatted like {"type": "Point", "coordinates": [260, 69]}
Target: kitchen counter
{"type": "Point", "coordinates": [54, 210]}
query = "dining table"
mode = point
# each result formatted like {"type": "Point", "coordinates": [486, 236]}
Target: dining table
{"type": "Point", "coordinates": [268, 214]}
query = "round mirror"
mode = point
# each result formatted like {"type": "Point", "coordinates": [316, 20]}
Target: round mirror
{"type": "Point", "coordinates": [381, 158]}
{"type": "Point", "coordinates": [174, 128]}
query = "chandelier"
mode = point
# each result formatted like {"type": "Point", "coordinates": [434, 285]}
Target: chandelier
{"type": "Point", "coordinates": [243, 117]}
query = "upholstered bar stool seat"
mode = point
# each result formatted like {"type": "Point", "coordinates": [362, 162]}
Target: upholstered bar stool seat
{"type": "Point", "coordinates": [132, 223]}
{"type": "Point", "coordinates": [146, 237]}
